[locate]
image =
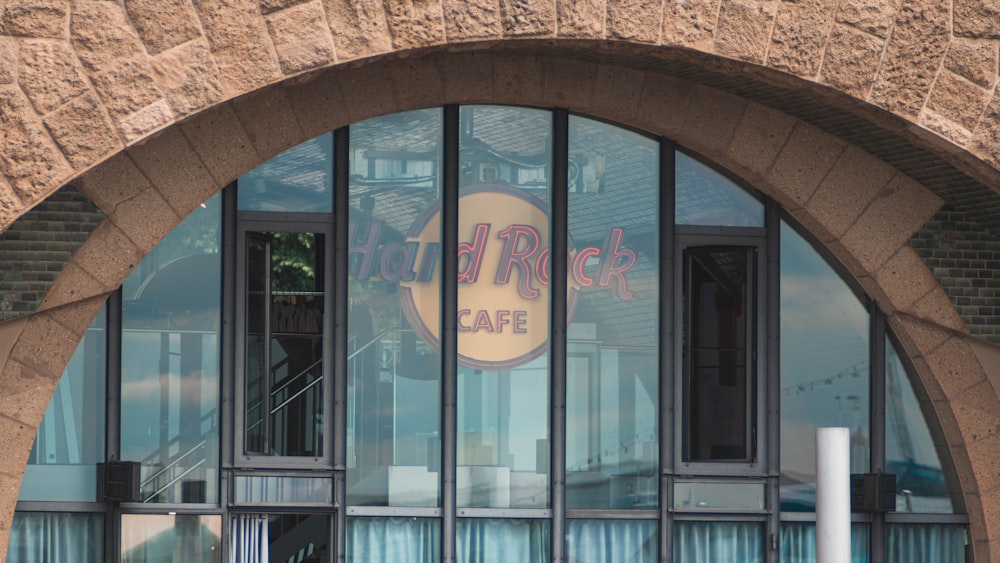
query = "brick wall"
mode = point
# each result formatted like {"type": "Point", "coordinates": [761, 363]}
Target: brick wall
{"type": "Point", "coordinates": [36, 248]}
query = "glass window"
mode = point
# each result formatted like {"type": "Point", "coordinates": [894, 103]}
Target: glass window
{"type": "Point", "coordinates": [482, 540]}
{"type": "Point", "coordinates": [925, 542]}
{"type": "Point", "coordinates": [393, 540]}
{"type": "Point", "coordinates": [719, 541]}
{"type": "Point", "coordinates": [394, 291]}
{"type": "Point", "coordinates": [297, 180]}
{"type": "Point", "coordinates": [56, 537]}
{"type": "Point", "coordinates": [611, 541]}
{"type": "Point", "coordinates": [911, 451]}
{"type": "Point", "coordinates": [276, 489]}
{"type": "Point", "coordinates": [719, 395]}
{"type": "Point", "coordinates": [798, 543]}
{"type": "Point", "coordinates": [707, 198]}
{"type": "Point", "coordinates": [285, 537]}
{"type": "Point", "coordinates": [170, 363]}
{"type": "Point", "coordinates": [612, 364]}
{"type": "Point", "coordinates": [70, 439]}
{"type": "Point", "coordinates": [171, 538]}
{"type": "Point", "coordinates": [503, 308]}
{"type": "Point", "coordinates": [824, 367]}
{"type": "Point", "coordinates": [283, 387]}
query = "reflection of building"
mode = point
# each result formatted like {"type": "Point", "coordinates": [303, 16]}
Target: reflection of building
{"type": "Point", "coordinates": [341, 407]}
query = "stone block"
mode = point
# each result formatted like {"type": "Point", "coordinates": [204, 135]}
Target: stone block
{"type": "Point", "coordinates": [974, 60]}
{"type": "Point", "coordinates": [414, 23]}
{"type": "Point", "coordinates": [34, 18]}
{"type": "Point", "coordinates": [174, 168]}
{"type": "Point", "coordinates": [803, 163]}
{"type": "Point", "coordinates": [985, 457]}
{"type": "Point", "coordinates": [10, 205]}
{"type": "Point", "coordinates": [744, 29]}
{"type": "Point", "coordinates": [83, 131]}
{"type": "Point", "coordinates": [977, 412]}
{"type": "Point", "coordinates": [270, 6]}
{"type": "Point", "coordinates": [711, 120]}
{"type": "Point", "coordinates": [919, 339]}
{"type": "Point", "coordinates": [875, 18]}
{"type": "Point", "coordinates": [524, 18]}
{"type": "Point", "coordinates": [617, 92]}
{"type": "Point", "coordinates": [8, 60]}
{"type": "Point", "coordinates": [912, 57]}
{"type": "Point", "coordinates": [145, 219]}
{"type": "Point", "coordinates": [978, 19]}
{"type": "Point", "coordinates": [72, 285]}
{"type": "Point", "coordinates": [368, 92]}
{"type": "Point", "coordinates": [43, 347]}
{"type": "Point", "coordinates": [568, 83]}
{"type": "Point", "coordinates": [664, 103]}
{"type": "Point", "coordinates": [189, 77]}
{"type": "Point", "coordinates": [238, 38]}
{"type": "Point", "coordinates": [319, 105]}
{"type": "Point", "coordinates": [115, 181]}
{"type": "Point", "coordinates": [985, 140]}
{"type": "Point", "coordinates": [301, 37]}
{"type": "Point", "coordinates": [905, 279]}
{"type": "Point", "coordinates": [418, 83]}
{"type": "Point", "coordinates": [851, 61]}
{"type": "Point", "coordinates": [49, 73]}
{"type": "Point", "coordinates": [581, 18]}
{"type": "Point", "coordinates": [163, 24]}
{"type": "Point", "coordinates": [359, 27]}
{"type": "Point", "coordinates": [30, 160]}
{"type": "Point", "coordinates": [101, 35]}
{"type": "Point", "coordinates": [127, 87]}
{"type": "Point", "coordinates": [853, 182]}
{"type": "Point", "coordinates": [217, 136]}
{"type": "Point", "coordinates": [800, 33]}
{"type": "Point", "coordinates": [957, 369]}
{"type": "Point", "coordinates": [518, 80]}
{"type": "Point", "coordinates": [690, 23]}
{"type": "Point", "coordinates": [468, 78]}
{"type": "Point", "coordinates": [467, 20]}
{"type": "Point", "coordinates": [108, 256]}
{"type": "Point", "coordinates": [20, 387]}
{"type": "Point", "coordinates": [760, 135]}
{"type": "Point", "coordinates": [634, 20]}
{"type": "Point", "coordinates": [140, 124]}
{"type": "Point", "coordinates": [936, 307]}
{"type": "Point", "coordinates": [954, 107]}
{"type": "Point", "coordinates": [269, 121]}
{"type": "Point", "coordinates": [898, 211]}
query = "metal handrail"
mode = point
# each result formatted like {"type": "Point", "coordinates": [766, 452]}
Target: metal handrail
{"type": "Point", "coordinates": [173, 481]}
{"type": "Point", "coordinates": [150, 457]}
{"type": "Point", "coordinates": [375, 339]}
{"type": "Point", "coordinates": [284, 403]}
{"type": "Point", "coordinates": [308, 368]}
{"type": "Point", "coordinates": [173, 463]}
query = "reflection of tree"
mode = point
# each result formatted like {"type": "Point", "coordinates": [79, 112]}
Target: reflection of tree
{"type": "Point", "coordinates": [293, 261]}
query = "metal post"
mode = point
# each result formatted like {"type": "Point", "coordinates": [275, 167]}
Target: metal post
{"type": "Point", "coordinates": [557, 321]}
{"type": "Point", "coordinates": [449, 331]}
{"type": "Point", "coordinates": [833, 495]}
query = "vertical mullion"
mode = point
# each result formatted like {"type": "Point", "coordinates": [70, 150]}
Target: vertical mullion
{"type": "Point", "coordinates": [772, 382]}
{"type": "Point", "coordinates": [227, 386]}
{"type": "Point", "coordinates": [666, 343]}
{"type": "Point", "coordinates": [338, 374]}
{"type": "Point", "coordinates": [876, 405]}
{"type": "Point", "coordinates": [112, 417]}
{"type": "Point", "coordinates": [449, 329]}
{"type": "Point", "coordinates": [557, 324]}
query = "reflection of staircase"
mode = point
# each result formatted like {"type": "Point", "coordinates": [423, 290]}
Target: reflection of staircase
{"type": "Point", "coordinates": [175, 468]}
{"type": "Point", "coordinates": [305, 540]}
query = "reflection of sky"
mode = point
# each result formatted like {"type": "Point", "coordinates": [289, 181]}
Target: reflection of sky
{"type": "Point", "coordinates": [824, 355]}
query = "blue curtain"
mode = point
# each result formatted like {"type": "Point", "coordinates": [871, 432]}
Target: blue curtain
{"type": "Point", "coordinates": [484, 540]}
{"type": "Point", "coordinates": [392, 540]}
{"type": "Point", "coordinates": [52, 537]}
{"type": "Point", "coordinates": [798, 542]}
{"type": "Point", "coordinates": [941, 543]}
{"type": "Point", "coordinates": [732, 542]}
{"type": "Point", "coordinates": [248, 539]}
{"type": "Point", "coordinates": [610, 541]}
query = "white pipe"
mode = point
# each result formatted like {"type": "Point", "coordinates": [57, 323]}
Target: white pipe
{"type": "Point", "coordinates": [833, 495]}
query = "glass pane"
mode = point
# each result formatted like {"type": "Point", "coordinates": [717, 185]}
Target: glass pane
{"type": "Point", "coordinates": [394, 291]}
{"type": "Point", "coordinates": [612, 370]}
{"type": "Point", "coordinates": [393, 540]}
{"type": "Point", "coordinates": [283, 401]}
{"type": "Point", "coordinates": [70, 440]}
{"type": "Point", "coordinates": [297, 180]}
{"type": "Point", "coordinates": [719, 397]}
{"type": "Point", "coordinates": [824, 367]}
{"type": "Point", "coordinates": [173, 538]}
{"type": "Point", "coordinates": [719, 541]}
{"type": "Point", "coordinates": [611, 541]}
{"type": "Point", "coordinates": [705, 495]}
{"type": "Point", "coordinates": [273, 489]}
{"type": "Point", "coordinates": [482, 540]}
{"type": "Point", "coordinates": [503, 308]}
{"type": "Point", "coordinates": [51, 537]}
{"type": "Point", "coordinates": [911, 452]}
{"type": "Point", "coordinates": [798, 543]}
{"type": "Point", "coordinates": [170, 363]}
{"type": "Point", "coordinates": [705, 197]}
{"type": "Point", "coordinates": [925, 542]}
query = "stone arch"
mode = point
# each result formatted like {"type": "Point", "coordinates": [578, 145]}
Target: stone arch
{"type": "Point", "coordinates": [147, 166]}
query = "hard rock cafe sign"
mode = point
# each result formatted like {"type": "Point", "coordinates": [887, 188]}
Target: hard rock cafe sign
{"type": "Point", "coordinates": [503, 274]}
